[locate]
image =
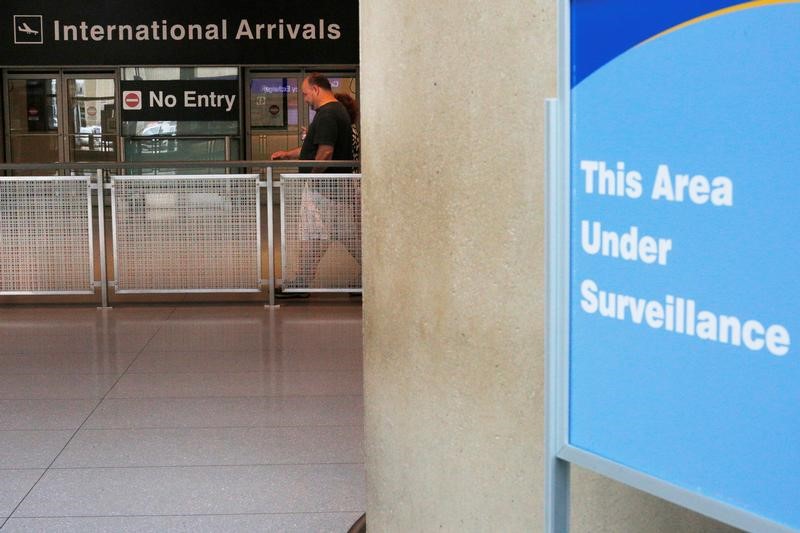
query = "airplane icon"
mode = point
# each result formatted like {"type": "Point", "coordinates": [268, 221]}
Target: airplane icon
{"type": "Point", "coordinates": [28, 29]}
{"type": "Point", "coordinates": [24, 28]}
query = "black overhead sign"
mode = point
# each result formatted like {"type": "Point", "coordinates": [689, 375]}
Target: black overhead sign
{"type": "Point", "coordinates": [147, 32]}
{"type": "Point", "coordinates": [202, 100]}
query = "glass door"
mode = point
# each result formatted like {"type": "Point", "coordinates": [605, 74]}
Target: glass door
{"type": "Point", "coordinates": [61, 118]}
{"type": "Point", "coordinates": [91, 114]}
{"type": "Point", "coordinates": [274, 113]}
{"type": "Point", "coordinates": [33, 119]}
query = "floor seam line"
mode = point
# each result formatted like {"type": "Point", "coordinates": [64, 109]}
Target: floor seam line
{"type": "Point", "coordinates": [100, 401]}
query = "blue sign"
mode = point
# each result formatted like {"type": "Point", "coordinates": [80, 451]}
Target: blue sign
{"type": "Point", "coordinates": [685, 246]}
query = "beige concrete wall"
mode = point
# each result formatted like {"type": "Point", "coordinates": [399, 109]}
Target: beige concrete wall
{"type": "Point", "coordinates": [452, 105]}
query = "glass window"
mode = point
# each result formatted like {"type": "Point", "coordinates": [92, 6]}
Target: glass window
{"type": "Point", "coordinates": [183, 127]}
{"type": "Point", "coordinates": [181, 149]}
{"type": "Point", "coordinates": [274, 103]}
{"type": "Point", "coordinates": [92, 124]}
{"type": "Point", "coordinates": [33, 105]}
{"type": "Point", "coordinates": [33, 122]}
{"type": "Point", "coordinates": [180, 140]}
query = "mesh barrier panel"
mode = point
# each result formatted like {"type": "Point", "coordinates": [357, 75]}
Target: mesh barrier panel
{"type": "Point", "coordinates": [45, 235]}
{"type": "Point", "coordinates": [321, 232]}
{"type": "Point", "coordinates": [186, 233]}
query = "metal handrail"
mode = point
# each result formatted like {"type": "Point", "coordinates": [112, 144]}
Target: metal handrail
{"type": "Point", "coordinates": [284, 163]}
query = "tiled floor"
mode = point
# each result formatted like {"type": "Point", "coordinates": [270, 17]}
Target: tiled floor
{"type": "Point", "coordinates": [181, 418]}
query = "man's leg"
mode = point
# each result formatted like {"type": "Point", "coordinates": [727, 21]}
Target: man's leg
{"type": "Point", "coordinates": [311, 252]}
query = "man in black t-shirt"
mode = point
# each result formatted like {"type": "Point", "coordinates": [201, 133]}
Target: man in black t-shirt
{"type": "Point", "coordinates": [329, 137]}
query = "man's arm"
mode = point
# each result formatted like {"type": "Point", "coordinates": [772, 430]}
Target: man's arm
{"type": "Point", "coordinates": [294, 153]}
{"type": "Point", "coordinates": [324, 153]}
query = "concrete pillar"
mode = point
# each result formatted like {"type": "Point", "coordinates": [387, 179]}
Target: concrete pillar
{"type": "Point", "coordinates": [452, 105]}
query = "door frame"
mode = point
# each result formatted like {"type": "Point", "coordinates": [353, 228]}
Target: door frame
{"type": "Point", "coordinates": [61, 75]}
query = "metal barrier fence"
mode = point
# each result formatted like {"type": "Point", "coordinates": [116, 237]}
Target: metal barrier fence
{"type": "Point", "coordinates": [46, 235]}
{"type": "Point", "coordinates": [186, 233]}
{"type": "Point", "coordinates": [177, 233]}
{"type": "Point", "coordinates": [320, 216]}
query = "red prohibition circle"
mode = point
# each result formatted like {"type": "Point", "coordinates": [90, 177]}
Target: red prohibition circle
{"type": "Point", "coordinates": [131, 100]}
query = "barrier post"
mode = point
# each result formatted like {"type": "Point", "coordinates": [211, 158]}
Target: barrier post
{"type": "Point", "coordinates": [101, 230]}
{"type": "Point", "coordinates": [270, 243]}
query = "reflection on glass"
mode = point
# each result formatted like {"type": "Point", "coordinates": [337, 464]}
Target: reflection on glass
{"type": "Point", "coordinates": [179, 73]}
{"type": "Point", "coordinates": [160, 138]}
{"type": "Point", "coordinates": [32, 106]}
{"type": "Point", "coordinates": [33, 122]}
{"type": "Point", "coordinates": [92, 121]}
{"type": "Point", "coordinates": [91, 106]}
{"type": "Point", "coordinates": [87, 148]}
{"type": "Point", "coordinates": [178, 149]}
{"type": "Point", "coordinates": [134, 128]}
{"type": "Point", "coordinates": [274, 103]}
